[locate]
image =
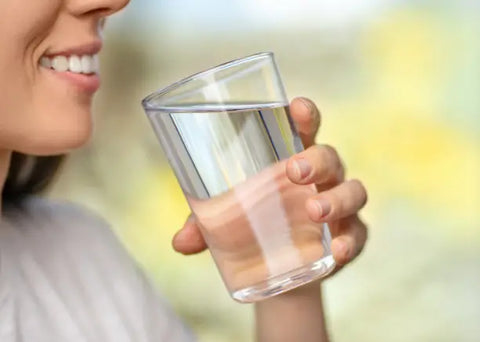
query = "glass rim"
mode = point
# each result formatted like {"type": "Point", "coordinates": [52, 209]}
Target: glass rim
{"type": "Point", "coordinates": [234, 62]}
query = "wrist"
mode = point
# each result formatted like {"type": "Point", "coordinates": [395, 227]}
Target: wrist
{"type": "Point", "coordinates": [297, 315]}
{"type": "Point", "coordinates": [312, 289]}
{"type": "Point", "coordinates": [308, 295]}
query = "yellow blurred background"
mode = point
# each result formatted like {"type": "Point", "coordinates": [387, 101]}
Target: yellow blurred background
{"type": "Point", "coordinates": [398, 83]}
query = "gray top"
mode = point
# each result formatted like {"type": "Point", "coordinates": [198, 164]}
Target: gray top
{"type": "Point", "coordinates": [65, 277]}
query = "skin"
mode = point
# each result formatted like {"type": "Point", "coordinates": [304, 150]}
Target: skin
{"type": "Point", "coordinates": [298, 315]}
{"type": "Point", "coordinates": [341, 199]}
{"type": "Point", "coordinates": [43, 114]}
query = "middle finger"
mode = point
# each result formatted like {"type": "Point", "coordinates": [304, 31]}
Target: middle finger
{"type": "Point", "coordinates": [318, 164]}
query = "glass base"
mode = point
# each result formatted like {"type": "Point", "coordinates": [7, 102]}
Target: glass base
{"type": "Point", "coordinates": [285, 282]}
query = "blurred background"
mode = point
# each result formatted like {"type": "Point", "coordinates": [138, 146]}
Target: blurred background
{"type": "Point", "coordinates": [398, 83]}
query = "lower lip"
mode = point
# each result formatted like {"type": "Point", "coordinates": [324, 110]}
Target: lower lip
{"type": "Point", "coordinates": [86, 83]}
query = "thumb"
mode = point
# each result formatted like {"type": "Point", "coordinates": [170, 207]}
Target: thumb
{"type": "Point", "coordinates": [189, 239]}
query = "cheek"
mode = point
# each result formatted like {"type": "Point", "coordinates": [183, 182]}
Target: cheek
{"type": "Point", "coordinates": [63, 118]}
{"type": "Point", "coordinates": [37, 116]}
{"type": "Point", "coordinates": [52, 119]}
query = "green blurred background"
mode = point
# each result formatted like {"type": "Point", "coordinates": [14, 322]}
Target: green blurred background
{"type": "Point", "coordinates": [398, 83]}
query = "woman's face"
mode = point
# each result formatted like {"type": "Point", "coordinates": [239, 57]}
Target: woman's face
{"type": "Point", "coordinates": [49, 72]}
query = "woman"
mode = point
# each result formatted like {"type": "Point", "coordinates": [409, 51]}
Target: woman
{"type": "Point", "coordinates": [63, 275]}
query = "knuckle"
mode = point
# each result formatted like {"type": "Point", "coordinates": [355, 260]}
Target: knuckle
{"type": "Point", "coordinates": [361, 190]}
{"type": "Point", "coordinates": [363, 241]}
{"type": "Point", "coordinates": [329, 150]}
{"type": "Point", "coordinates": [337, 205]}
{"type": "Point", "coordinates": [332, 163]}
{"type": "Point", "coordinates": [365, 234]}
{"type": "Point", "coordinates": [343, 257]}
{"type": "Point", "coordinates": [361, 234]}
{"type": "Point", "coordinates": [340, 172]}
{"type": "Point", "coordinates": [331, 154]}
{"type": "Point", "coordinates": [328, 168]}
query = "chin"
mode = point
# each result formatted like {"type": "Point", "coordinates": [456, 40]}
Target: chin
{"type": "Point", "coordinates": [63, 142]}
{"type": "Point", "coordinates": [53, 122]}
{"type": "Point", "coordinates": [56, 140]}
{"type": "Point", "coordinates": [62, 130]}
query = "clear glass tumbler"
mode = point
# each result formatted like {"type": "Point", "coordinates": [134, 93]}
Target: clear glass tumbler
{"type": "Point", "coordinates": [227, 134]}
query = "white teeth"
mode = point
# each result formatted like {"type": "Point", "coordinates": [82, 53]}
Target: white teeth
{"type": "Point", "coordinates": [45, 62]}
{"type": "Point", "coordinates": [96, 63]}
{"type": "Point", "coordinates": [60, 63]}
{"type": "Point", "coordinates": [86, 64]}
{"type": "Point", "coordinates": [74, 64]}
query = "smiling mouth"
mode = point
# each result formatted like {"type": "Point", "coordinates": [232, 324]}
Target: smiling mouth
{"type": "Point", "coordinates": [84, 64]}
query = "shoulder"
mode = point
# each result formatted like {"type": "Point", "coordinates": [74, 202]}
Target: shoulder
{"type": "Point", "coordinates": [60, 211]}
{"type": "Point", "coordinates": [78, 253]}
{"type": "Point", "coordinates": [69, 237]}
{"type": "Point", "coordinates": [63, 225]}
{"type": "Point", "coordinates": [38, 213]}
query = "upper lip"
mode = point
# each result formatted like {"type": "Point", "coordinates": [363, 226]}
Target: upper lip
{"type": "Point", "coordinates": [91, 48]}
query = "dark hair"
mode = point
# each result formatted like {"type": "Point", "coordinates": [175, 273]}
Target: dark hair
{"type": "Point", "coordinates": [29, 175]}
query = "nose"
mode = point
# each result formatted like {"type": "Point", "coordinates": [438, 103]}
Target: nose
{"type": "Point", "coordinates": [101, 8]}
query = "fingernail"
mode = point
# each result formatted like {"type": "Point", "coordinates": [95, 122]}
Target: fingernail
{"type": "Point", "coordinates": [323, 207]}
{"type": "Point", "coordinates": [177, 235]}
{"type": "Point", "coordinates": [307, 103]}
{"type": "Point", "coordinates": [302, 168]}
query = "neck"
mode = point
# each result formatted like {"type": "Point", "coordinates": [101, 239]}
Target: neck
{"type": "Point", "coordinates": [4, 165]}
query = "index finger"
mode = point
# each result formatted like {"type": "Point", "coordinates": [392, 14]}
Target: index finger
{"type": "Point", "coordinates": [306, 118]}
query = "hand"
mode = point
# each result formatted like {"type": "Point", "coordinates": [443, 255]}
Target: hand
{"type": "Point", "coordinates": [337, 202]}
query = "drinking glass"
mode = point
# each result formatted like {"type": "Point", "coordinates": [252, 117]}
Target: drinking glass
{"type": "Point", "coordinates": [227, 134]}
